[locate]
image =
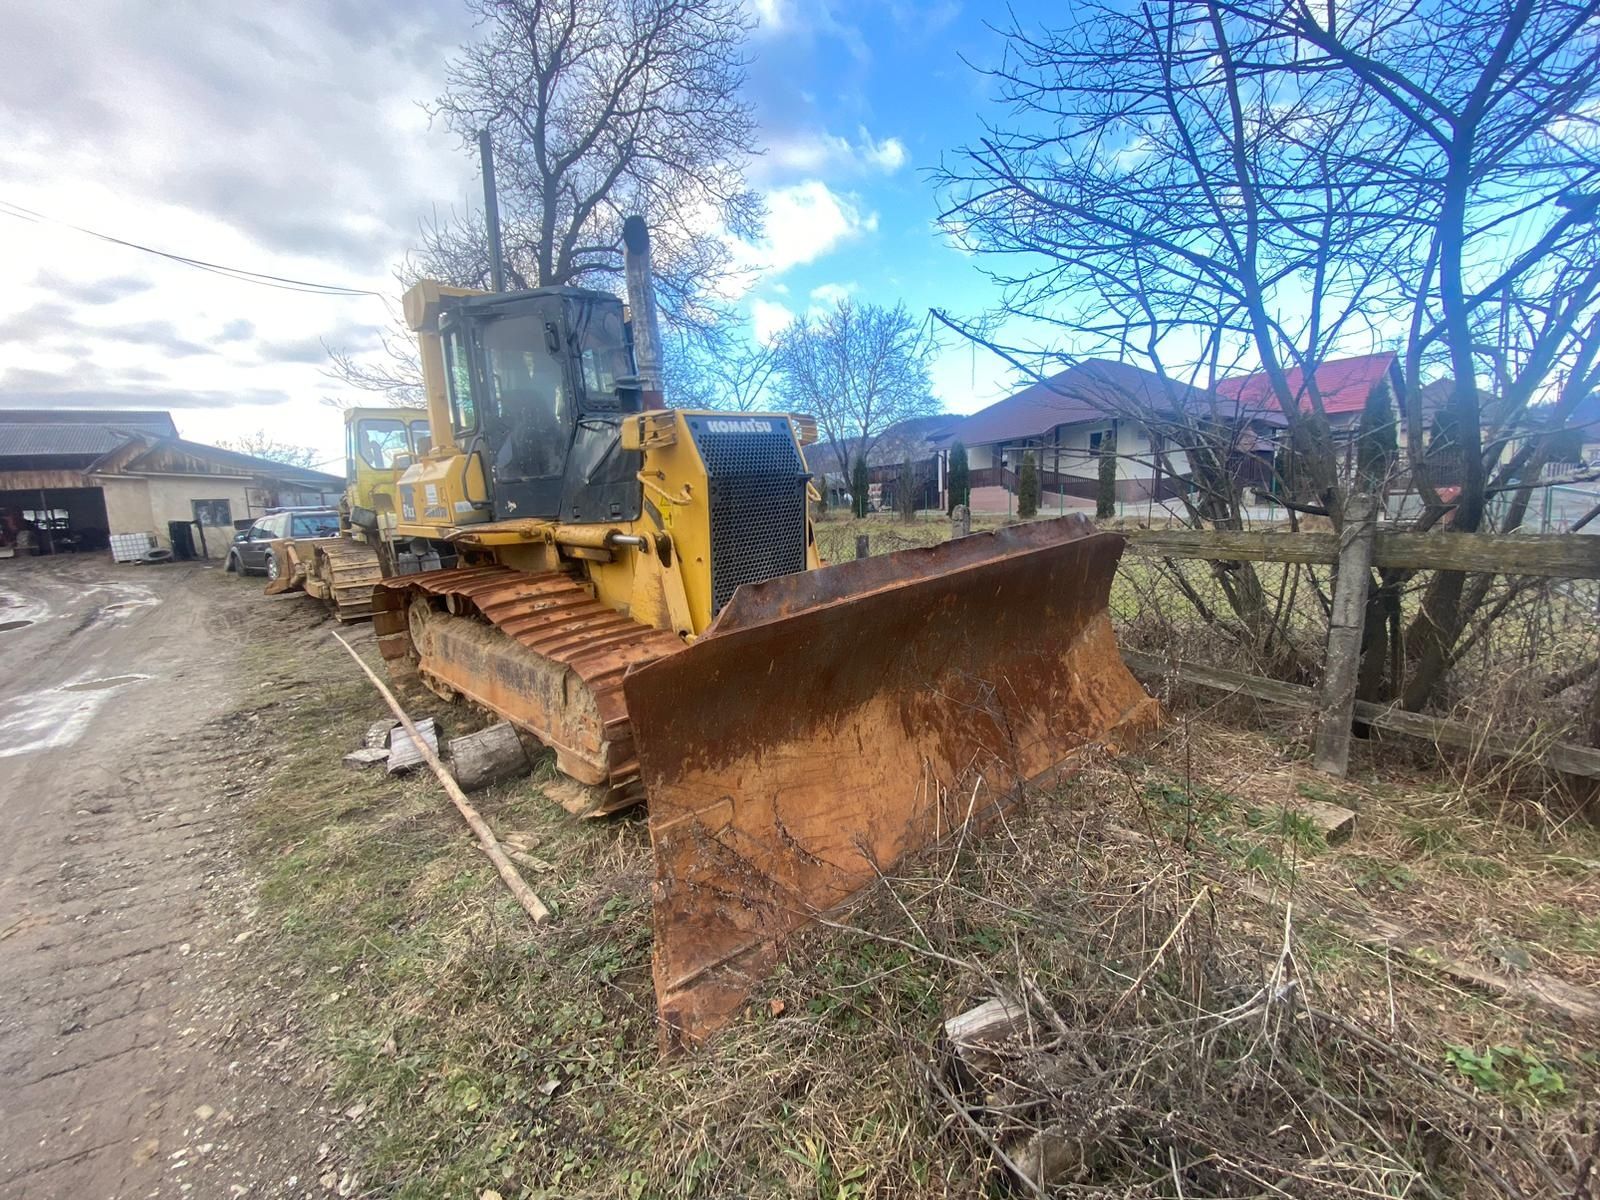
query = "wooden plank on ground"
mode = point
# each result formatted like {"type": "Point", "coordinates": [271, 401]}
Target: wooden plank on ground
{"type": "Point", "coordinates": [1567, 757]}
{"type": "Point", "coordinates": [1557, 555]}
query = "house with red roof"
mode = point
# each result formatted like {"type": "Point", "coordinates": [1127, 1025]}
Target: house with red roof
{"type": "Point", "coordinates": [1067, 419]}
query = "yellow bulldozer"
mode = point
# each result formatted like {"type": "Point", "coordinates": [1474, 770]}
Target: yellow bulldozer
{"type": "Point", "coordinates": [639, 588]}
{"type": "Point", "coordinates": [380, 444]}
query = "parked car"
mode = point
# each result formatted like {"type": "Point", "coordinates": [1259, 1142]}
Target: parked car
{"type": "Point", "coordinates": [251, 552]}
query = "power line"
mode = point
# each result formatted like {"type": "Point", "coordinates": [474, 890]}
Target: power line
{"type": "Point", "coordinates": [260, 279]}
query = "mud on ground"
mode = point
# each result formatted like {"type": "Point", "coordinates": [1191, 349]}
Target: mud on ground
{"type": "Point", "coordinates": [135, 1056]}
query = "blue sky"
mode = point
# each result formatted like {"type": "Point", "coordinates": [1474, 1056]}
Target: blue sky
{"type": "Point", "coordinates": [889, 80]}
{"type": "Point", "coordinates": [289, 139]}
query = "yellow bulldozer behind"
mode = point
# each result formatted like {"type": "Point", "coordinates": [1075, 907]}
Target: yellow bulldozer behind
{"type": "Point", "coordinates": [380, 444]}
{"type": "Point", "coordinates": [639, 588]}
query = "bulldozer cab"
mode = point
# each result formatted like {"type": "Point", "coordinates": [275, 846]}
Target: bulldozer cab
{"type": "Point", "coordinates": [379, 444]}
{"type": "Point", "coordinates": [538, 384]}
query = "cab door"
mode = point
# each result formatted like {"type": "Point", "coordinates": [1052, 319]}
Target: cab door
{"type": "Point", "coordinates": [532, 411]}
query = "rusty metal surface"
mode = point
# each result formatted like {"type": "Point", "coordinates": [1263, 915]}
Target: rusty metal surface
{"type": "Point", "coordinates": [291, 556]}
{"type": "Point", "coordinates": [536, 648]}
{"type": "Point", "coordinates": [832, 722]}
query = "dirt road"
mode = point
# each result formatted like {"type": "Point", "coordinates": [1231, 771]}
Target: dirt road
{"type": "Point", "coordinates": [125, 1068]}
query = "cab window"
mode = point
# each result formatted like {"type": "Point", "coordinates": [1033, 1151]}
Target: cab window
{"type": "Point", "coordinates": [379, 439]}
{"type": "Point", "coordinates": [419, 435]}
{"type": "Point", "coordinates": [458, 381]}
{"type": "Point", "coordinates": [604, 353]}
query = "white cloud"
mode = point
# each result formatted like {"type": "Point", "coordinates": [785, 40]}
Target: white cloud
{"type": "Point", "coordinates": [283, 138]}
{"type": "Point", "coordinates": [888, 155]}
{"type": "Point", "coordinates": [771, 15]}
{"type": "Point", "coordinates": [817, 152]}
{"type": "Point", "coordinates": [770, 319]}
{"type": "Point", "coordinates": [829, 295]}
{"type": "Point", "coordinates": [804, 222]}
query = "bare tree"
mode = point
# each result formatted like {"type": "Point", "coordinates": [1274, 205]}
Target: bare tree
{"type": "Point", "coordinates": [721, 371]}
{"type": "Point", "coordinates": [262, 444]}
{"type": "Point", "coordinates": [597, 109]}
{"type": "Point", "coordinates": [860, 370]}
{"type": "Point", "coordinates": [1203, 185]}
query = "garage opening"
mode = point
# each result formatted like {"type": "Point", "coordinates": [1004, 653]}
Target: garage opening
{"type": "Point", "coordinates": [54, 520]}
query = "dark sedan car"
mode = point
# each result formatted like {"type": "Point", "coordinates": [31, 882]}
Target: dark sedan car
{"type": "Point", "coordinates": [251, 552]}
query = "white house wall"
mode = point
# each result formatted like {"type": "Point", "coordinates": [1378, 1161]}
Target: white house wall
{"type": "Point", "coordinates": [172, 498]}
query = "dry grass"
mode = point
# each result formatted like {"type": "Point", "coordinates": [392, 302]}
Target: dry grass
{"type": "Point", "coordinates": [1250, 1056]}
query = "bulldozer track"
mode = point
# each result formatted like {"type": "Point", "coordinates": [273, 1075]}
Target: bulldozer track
{"type": "Point", "coordinates": [344, 574]}
{"type": "Point", "coordinates": [555, 617]}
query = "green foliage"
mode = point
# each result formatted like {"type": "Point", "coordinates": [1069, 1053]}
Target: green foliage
{"type": "Point", "coordinates": [960, 477]}
{"type": "Point", "coordinates": [1514, 1074]}
{"type": "Point", "coordinates": [859, 483]}
{"type": "Point", "coordinates": [1105, 500]}
{"type": "Point", "coordinates": [1028, 487]}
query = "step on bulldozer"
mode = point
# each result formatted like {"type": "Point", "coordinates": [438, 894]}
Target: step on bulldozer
{"type": "Point", "coordinates": [639, 588]}
{"type": "Point", "coordinates": [380, 443]}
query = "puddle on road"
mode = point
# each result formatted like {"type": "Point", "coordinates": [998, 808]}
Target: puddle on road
{"type": "Point", "coordinates": [6, 626]}
{"type": "Point", "coordinates": [51, 719]}
{"type": "Point", "coordinates": [100, 685]}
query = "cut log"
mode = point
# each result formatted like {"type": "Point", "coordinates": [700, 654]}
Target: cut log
{"type": "Point", "coordinates": [971, 1039]}
{"type": "Point", "coordinates": [992, 1021]}
{"type": "Point", "coordinates": [403, 751]}
{"type": "Point", "coordinates": [488, 756]}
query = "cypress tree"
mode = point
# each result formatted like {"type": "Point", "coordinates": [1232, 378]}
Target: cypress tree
{"type": "Point", "coordinates": [1028, 487]}
{"type": "Point", "coordinates": [1105, 499]}
{"type": "Point", "coordinates": [1377, 438]}
{"type": "Point", "coordinates": [859, 484]}
{"type": "Point", "coordinates": [960, 484]}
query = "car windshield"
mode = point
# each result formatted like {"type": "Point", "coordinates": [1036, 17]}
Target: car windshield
{"type": "Point", "coordinates": [316, 525]}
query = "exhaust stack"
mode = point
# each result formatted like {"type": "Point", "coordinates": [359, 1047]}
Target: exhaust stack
{"type": "Point", "coordinates": [642, 305]}
{"type": "Point", "coordinates": [491, 213]}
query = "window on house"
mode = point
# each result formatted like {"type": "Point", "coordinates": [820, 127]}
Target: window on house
{"type": "Point", "coordinates": [213, 512]}
{"type": "Point", "coordinates": [1095, 440]}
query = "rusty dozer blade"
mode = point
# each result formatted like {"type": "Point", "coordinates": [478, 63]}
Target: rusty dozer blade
{"type": "Point", "coordinates": [817, 733]}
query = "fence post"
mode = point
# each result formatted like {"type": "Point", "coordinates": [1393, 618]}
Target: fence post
{"type": "Point", "coordinates": [861, 545]}
{"type": "Point", "coordinates": [960, 522]}
{"type": "Point", "coordinates": [1344, 634]}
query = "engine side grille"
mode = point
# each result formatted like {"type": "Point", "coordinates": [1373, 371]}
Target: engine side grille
{"type": "Point", "coordinates": [758, 500]}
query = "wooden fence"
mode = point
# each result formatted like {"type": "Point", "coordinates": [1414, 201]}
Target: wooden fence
{"type": "Point", "coordinates": [1353, 553]}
